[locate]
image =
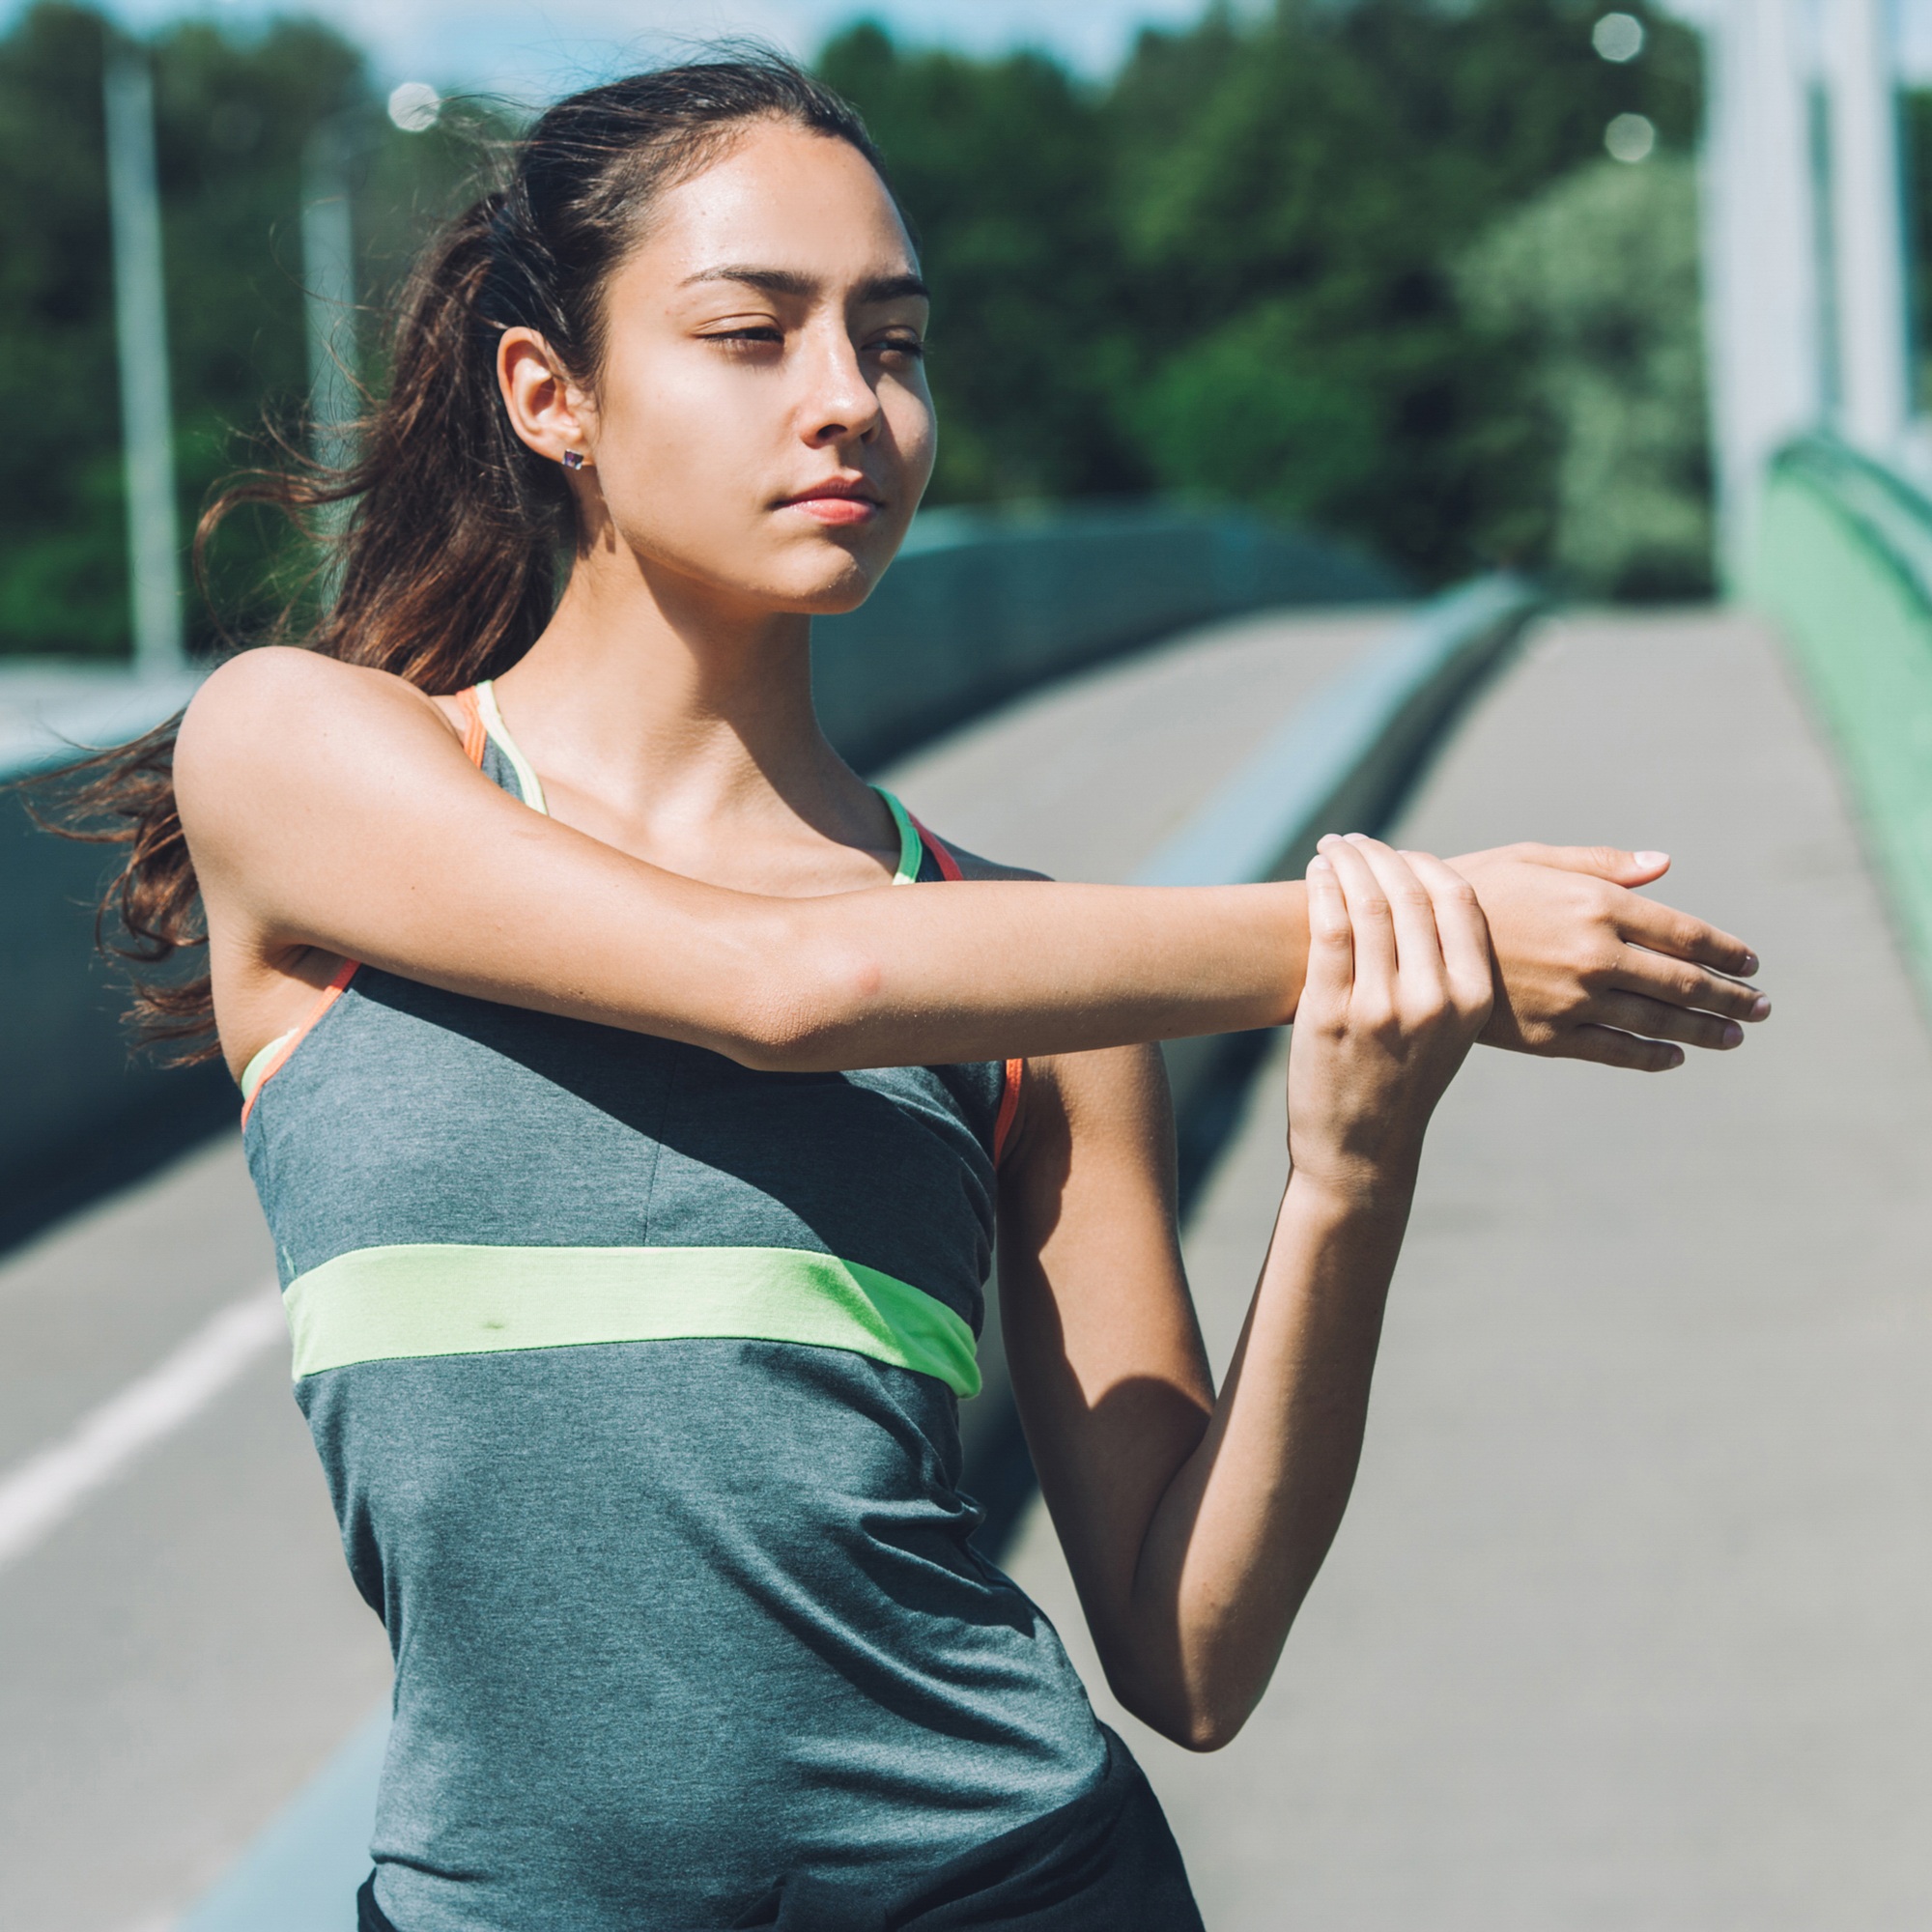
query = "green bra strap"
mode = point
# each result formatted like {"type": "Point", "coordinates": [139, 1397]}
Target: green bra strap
{"type": "Point", "coordinates": [911, 848]}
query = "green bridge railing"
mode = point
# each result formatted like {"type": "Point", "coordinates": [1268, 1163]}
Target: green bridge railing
{"type": "Point", "coordinates": [1844, 563]}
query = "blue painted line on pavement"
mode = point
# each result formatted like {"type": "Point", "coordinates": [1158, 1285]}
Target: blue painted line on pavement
{"type": "Point", "coordinates": [302, 1873]}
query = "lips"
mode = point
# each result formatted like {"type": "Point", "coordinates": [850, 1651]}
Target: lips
{"type": "Point", "coordinates": [837, 503]}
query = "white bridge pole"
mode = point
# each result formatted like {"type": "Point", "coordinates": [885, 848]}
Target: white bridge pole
{"type": "Point", "coordinates": [141, 328]}
{"type": "Point", "coordinates": [1868, 226]}
{"type": "Point", "coordinates": [1763, 317]}
{"type": "Point", "coordinates": [328, 284]}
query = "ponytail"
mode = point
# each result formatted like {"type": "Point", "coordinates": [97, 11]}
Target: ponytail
{"type": "Point", "coordinates": [449, 558]}
{"type": "Point", "coordinates": [444, 538]}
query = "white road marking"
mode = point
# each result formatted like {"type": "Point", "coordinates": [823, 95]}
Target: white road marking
{"type": "Point", "coordinates": [40, 1493]}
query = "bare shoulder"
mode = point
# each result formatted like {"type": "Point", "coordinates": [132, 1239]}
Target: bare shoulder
{"type": "Point", "coordinates": [275, 709]}
{"type": "Point", "coordinates": [279, 685]}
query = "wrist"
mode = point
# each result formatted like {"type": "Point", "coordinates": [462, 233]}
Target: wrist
{"type": "Point", "coordinates": [1340, 1193]}
{"type": "Point", "coordinates": [1291, 903]}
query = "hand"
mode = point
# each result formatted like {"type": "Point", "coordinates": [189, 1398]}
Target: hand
{"type": "Point", "coordinates": [1586, 970]}
{"type": "Point", "coordinates": [1398, 988]}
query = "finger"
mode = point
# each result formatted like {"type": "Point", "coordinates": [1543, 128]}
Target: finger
{"type": "Point", "coordinates": [1371, 923]}
{"type": "Point", "coordinates": [1658, 975]}
{"type": "Point", "coordinates": [1332, 945]}
{"type": "Point", "coordinates": [1602, 862]}
{"type": "Point", "coordinates": [1607, 1047]}
{"type": "Point", "coordinates": [1631, 1012]}
{"type": "Point", "coordinates": [1464, 932]}
{"type": "Point", "coordinates": [1664, 929]}
{"type": "Point", "coordinates": [1418, 945]}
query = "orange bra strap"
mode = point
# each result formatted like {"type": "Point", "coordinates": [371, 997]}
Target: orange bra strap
{"type": "Point", "coordinates": [474, 736]}
{"type": "Point", "coordinates": [334, 991]}
{"type": "Point", "coordinates": [1009, 1107]}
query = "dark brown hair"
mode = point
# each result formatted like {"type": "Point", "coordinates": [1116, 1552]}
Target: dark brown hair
{"type": "Point", "coordinates": [444, 536]}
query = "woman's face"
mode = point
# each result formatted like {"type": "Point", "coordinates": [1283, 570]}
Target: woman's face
{"type": "Point", "coordinates": [761, 423]}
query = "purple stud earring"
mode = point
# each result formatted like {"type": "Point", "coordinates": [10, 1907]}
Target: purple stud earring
{"type": "Point", "coordinates": [573, 458]}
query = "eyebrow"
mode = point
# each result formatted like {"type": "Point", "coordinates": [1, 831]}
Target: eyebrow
{"type": "Point", "coordinates": [789, 282]}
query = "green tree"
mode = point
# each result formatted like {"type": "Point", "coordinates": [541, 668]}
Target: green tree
{"type": "Point", "coordinates": [1230, 272]}
{"type": "Point", "coordinates": [233, 115]}
{"type": "Point", "coordinates": [1238, 270]}
{"type": "Point", "coordinates": [62, 568]}
{"type": "Point", "coordinates": [1295, 230]}
{"type": "Point", "coordinates": [1593, 285]}
{"type": "Point", "coordinates": [1003, 167]}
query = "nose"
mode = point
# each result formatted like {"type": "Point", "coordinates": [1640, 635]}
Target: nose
{"type": "Point", "coordinates": [841, 405]}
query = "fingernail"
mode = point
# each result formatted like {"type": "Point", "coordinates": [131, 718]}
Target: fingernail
{"type": "Point", "coordinates": [1650, 861]}
{"type": "Point", "coordinates": [1675, 1057]}
{"type": "Point", "coordinates": [1734, 1033]}
{"type": "Point", "coordinates": [1760, 1008]}
{"type": "Point", "coordinates": [1750, 967]}
{"type": "Point", "coordinates": [1320, 865]}
{"type": "Point", "coordinates": [1326, 839]}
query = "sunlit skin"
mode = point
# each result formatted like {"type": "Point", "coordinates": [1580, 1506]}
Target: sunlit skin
{"type": "Point", "coordinates": [754, 446]}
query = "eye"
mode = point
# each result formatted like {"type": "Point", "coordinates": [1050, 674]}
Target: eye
{"type": "Point", "coordinates": [909, 346]}
{"type": "Point", "coordinates": [754, 335]}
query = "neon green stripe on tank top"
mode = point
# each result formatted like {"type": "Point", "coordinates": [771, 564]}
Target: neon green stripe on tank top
{"type": "Point", "coordinates": [418, 1301]}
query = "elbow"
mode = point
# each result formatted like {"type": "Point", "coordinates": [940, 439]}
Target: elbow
{"type": "Point", "coordinates": [1196, 1720]}
{"type": "Point", "coordinates": [805, 1003]}
{"type": "Point", "coordinates": [1200, 1731]}
{"type": "Point", "coordinates": [767, 1035]}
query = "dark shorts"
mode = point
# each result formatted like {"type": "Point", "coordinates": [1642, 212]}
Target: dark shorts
{"type": "Point", "coordinates": [1106, 1863]}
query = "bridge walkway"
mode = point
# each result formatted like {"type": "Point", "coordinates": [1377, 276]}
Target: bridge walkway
{"type": "Point", "coordinates": [1625, 1625]}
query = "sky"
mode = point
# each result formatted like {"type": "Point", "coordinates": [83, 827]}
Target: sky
{"type": "Point", "coordinates": [535, 49]}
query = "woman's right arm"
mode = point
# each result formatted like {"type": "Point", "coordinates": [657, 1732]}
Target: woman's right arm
{"type": "Point", "coordinates": [331, 807]}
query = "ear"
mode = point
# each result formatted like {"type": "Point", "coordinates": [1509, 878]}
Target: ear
{"type": "Point", "coordinates": [546, 411]}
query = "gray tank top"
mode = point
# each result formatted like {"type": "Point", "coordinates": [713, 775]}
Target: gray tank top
{"type": "Point", "coordinates": [634, 1374]}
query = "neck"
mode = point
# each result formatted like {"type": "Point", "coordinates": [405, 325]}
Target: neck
{"type": "Point", "coordinates": [674, 711]}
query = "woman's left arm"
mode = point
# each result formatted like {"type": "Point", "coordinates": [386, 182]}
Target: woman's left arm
{"type": "Point", "coordinates": [1194, 1524]}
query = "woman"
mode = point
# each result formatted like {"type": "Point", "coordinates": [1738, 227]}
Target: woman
{"type": "Point", "coordinates": [632, 1161]}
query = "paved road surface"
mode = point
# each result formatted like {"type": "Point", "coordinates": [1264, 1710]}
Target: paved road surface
{"type": "Point", "coordinates": [1628, 1624]}
{"type": "Point", "coordinates": [183, 1652]}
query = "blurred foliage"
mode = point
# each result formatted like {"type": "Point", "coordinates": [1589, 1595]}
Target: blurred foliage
{"type": "Point", "coordinates": [1232, 271]}
{"type": "Point", "coordinates": [1247, 268]}
{"type": "Point", "coordinates": [1592, 287]}
{"type": "Point", "coordinates": [1006, 169]}
{"type": "Point", "coordinates": [233, 115]}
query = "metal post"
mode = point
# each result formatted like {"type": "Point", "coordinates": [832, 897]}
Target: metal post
{"type": "Point", "coordinates": [1868, 225]}
{"type": "Point", "coordinates": [329, 282]}
{"type": "Point", "coordinates": [140, 315]}
{"type": "Point", "coordinates": [1762, 281]}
